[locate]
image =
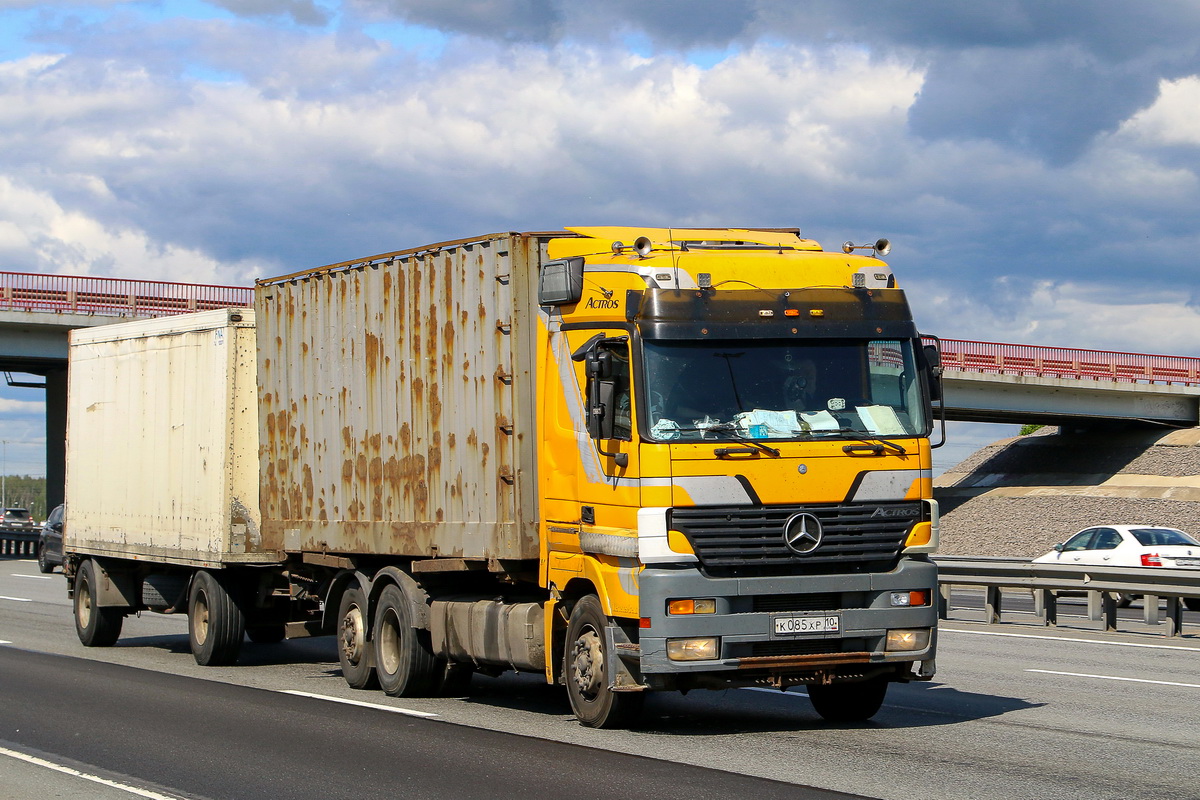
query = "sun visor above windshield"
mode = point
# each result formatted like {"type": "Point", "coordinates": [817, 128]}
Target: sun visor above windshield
{"type": "Point", "coordinates": [832, 312]}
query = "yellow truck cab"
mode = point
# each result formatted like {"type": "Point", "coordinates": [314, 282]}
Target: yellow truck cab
{"type": "Point", "coordinates": [735, 460]}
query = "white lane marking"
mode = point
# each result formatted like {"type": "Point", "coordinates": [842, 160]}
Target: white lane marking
{"type": "Point", "coordinates": [3, 641]}
{"type": "Point", "coordinates": [1072, 639]}
{"type": "Point", "coordinates": [16, 599]}
{"type": "Point", "coordinates": [33, 577]}
{"type": "Point", "coordinates": [410, 712]}
{"type": "Point", "coordinates": [40, 762]}
{"type": "Point", "coordinates": [1114, 678]}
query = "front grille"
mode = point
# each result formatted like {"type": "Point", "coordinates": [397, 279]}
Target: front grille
{"type": "Point", "coordinates": [819, 601]}
{"type": "Point", "coordinates": [747, 541]}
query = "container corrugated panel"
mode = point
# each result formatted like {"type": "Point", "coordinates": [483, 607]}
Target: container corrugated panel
{"type": "Point", "coordinates": [397, 403]}
{"type": "Point", "coordinates": [162, 440]}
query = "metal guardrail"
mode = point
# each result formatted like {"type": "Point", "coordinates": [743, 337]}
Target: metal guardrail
{"type": "Point", "coordinates": [19, 543]}
{"type": "Point", "coordinates": [1101, 585]}
{"type": "Point", "coordinates": [113, 297]}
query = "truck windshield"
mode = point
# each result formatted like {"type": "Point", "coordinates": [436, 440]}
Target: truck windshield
{"type": "Point", "coordinates": [838, 388]}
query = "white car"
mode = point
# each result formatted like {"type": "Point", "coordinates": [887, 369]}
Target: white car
{"type": "Point", "coordinates": [1129, 546]}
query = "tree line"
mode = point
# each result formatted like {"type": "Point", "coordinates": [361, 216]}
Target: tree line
{"type": "Point", "coordinates": [26, 491]}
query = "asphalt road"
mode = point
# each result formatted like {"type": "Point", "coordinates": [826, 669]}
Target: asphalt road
{"type": "Point", "coordinates": [1016, 711]}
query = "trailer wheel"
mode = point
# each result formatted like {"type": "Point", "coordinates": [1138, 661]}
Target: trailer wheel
{"type": "Point", "coordinates": [404, 660]}
{"type": "Point", "coordinates": [356, 653]}
{"type": "Point", "coordinates": [588, 675]}
{"type": "Point", "coordinates": [97, 626]}
{"type": "Point", "coordinates": [849, 702]}
{"type": "Point", "coordinates": [266, 634]}
{"type": "Point", "coordinates": [215, 621]}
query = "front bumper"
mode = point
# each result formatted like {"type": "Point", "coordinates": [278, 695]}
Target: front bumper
{"type": "Point", "coordinates": [750, 652]}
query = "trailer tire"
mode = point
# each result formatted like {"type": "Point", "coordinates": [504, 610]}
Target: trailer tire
{"type": "Point", "coordinates": [216, 624]}
{"type": "Point", "coordinates": [356, 651]}
{"type": "Point", "coordinates": [849, 702]}
{"type": "Point", "coordinates": [266, 634]}
{"type": "Point", "coordinates": [587, 674]}
{"type": "Point", "coordinates": [404, 660]}
{"type": "Point", "coordinates": [96, 626]}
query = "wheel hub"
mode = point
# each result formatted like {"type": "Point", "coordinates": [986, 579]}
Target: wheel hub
{"type": "Point", "coordinates": [587, 663]}
{"type": "Point", "coordinates": [353, 636]}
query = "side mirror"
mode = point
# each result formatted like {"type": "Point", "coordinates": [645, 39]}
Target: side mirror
{"type": "Point", "coordinates": [600, 402]}
{"type": "Point", "coordinates": [1058, 547]}
{"type": "Point", "coordinates": [933, 363]}
{"type": "Point", "coordinates": [560, 283]}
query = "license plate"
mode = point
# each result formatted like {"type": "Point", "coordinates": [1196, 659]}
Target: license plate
{"type": "Point", "coordinates": [1187, 562]}
{"type": "Point", "coordinates": [798, 624]}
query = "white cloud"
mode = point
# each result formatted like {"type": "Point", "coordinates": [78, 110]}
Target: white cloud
{"type": "Point", "coordinates": [21, 407]}
{"type": "Point", "coordinates": [1172, 118]}
{"type": "Point", "coordinates": [39, 235]}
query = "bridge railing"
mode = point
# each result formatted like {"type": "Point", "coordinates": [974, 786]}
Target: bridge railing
{"type": "Point", "coordinates": [118, 297]}
{"type": "Point", "coordinates": [1064, 362]}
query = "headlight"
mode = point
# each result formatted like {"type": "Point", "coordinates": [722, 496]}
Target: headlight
{"type": "Point", "coordinates": [704, 649]}
{"type": "Point", "coordinates": [907, 639]}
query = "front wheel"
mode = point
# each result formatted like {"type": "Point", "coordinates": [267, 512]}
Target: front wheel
{"type": "Point", "coordinates": [216, 624]}
{"type": "Point", "coordinates": [849, 702]}
{"type": "Point", "coordinates": [589, 675]}
{"type": "Point", "coordinates": [96, 625]}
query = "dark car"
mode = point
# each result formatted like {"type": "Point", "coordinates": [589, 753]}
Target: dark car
{"type": "Point", "coordinates": [18, 519]}
{"type": "Point", "coordinates": [50, 541]}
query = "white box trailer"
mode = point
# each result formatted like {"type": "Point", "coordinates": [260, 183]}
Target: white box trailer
{"type": "Point", "coordinates": [162, 429]}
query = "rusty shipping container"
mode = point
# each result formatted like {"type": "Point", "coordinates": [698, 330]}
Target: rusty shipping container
{"type": "Point", "coordinates": [397, 402]}
{"type": "Point", "coordinates": [163, 439]}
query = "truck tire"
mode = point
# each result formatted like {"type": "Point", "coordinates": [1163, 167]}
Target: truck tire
{"type": "Point", "coordinates": [216, 624]}
{"type": "Point", "coordinates": [356, 652]}
{"type": "Point", "coordinates": [404, 660]}
{"type": "Point", "coordinates": [587, 672]}
{"type": "Point", "coordinates": [97, 626]}
{"type": "Point", "coordinates": [849, 702]}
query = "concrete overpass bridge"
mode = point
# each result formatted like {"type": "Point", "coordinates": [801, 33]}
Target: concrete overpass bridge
{"type": "Point", "coordinates": [984, 381]}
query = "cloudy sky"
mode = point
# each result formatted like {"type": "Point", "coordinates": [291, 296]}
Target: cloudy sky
{"type": "Point", "coordinates": [1034, 162]}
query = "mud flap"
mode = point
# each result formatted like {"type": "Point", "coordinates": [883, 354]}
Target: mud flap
{"type": "Point", "coordinates": [626, 655]}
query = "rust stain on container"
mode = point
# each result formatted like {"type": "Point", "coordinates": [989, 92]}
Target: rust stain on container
{"type": "Point", "coordinates": [371, 443]}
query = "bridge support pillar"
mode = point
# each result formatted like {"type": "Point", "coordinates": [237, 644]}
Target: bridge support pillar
{"type": "Point", "coordinates": [56, 437]}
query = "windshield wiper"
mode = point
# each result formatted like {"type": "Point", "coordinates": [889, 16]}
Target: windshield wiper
{"type": "Point", "coordinates": [730, 427]}
{"type": "Point", "coordinates": [880, 443]}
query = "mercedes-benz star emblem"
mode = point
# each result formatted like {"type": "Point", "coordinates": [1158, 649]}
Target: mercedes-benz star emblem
{"type": "Point", "coordinates": [802, 533]}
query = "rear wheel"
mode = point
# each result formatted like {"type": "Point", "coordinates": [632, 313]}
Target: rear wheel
{"type": "Point", "coordinates": [404, 660]}
{"type": "Point", "coordinates": [588, 673]}
{"type": "Point", "coordinates": [43, 566]}
{"type": "Point", "coordinates": [356, 653]}
{"type": "Point", "coordinates": [96, 626]}
{"type": "Point", "coordinates": [215, 621]}
{"type": "Point", "coordinates": [849, 702]}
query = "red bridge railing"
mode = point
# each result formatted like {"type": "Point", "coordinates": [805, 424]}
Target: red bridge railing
{"type": "Point", "coordinates": [1064, 362]}
{"type": "Point", "coordinates": [21, 291]}
{"type": "Point", "coordinates": [117, 297]}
